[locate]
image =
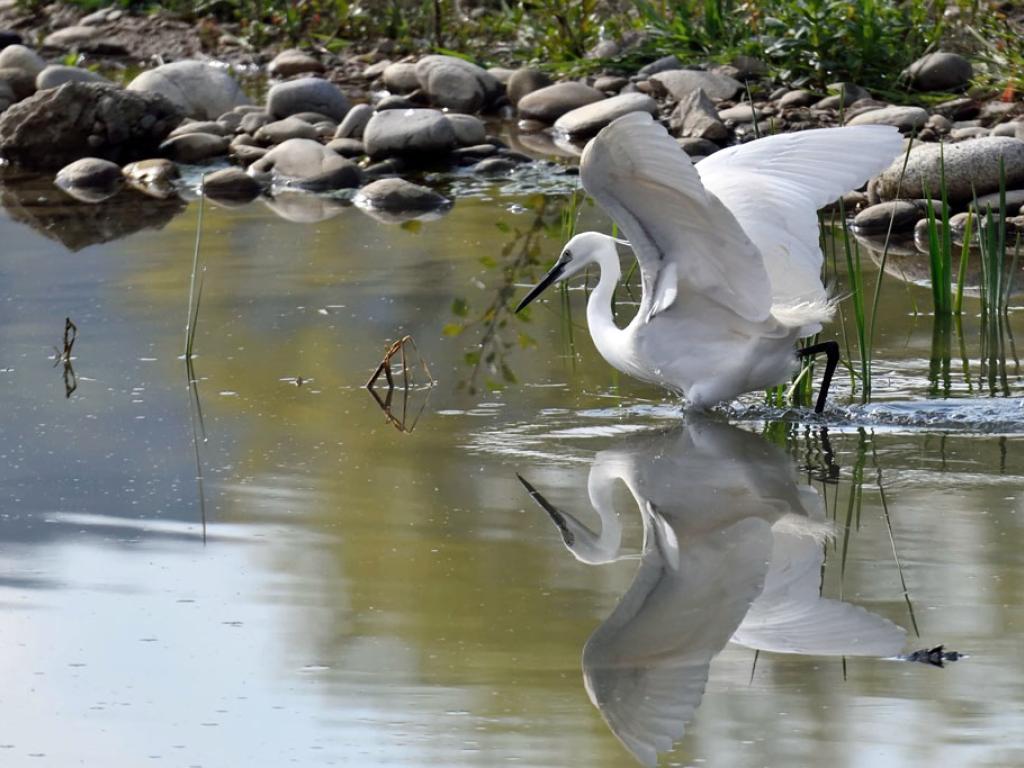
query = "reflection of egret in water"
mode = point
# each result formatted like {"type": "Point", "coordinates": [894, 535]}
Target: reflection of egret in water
{"type": "Point", "coordinates": [733, 549]}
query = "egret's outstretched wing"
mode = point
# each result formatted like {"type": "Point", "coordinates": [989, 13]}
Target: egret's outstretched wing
{"type": "Point", "coordinates": [775, 185]}
{"type": "Point", "coordinates": [684, 238]}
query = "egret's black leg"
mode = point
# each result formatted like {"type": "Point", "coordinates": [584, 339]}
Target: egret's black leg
{"type": "Point", "coordinates": [831, 350]}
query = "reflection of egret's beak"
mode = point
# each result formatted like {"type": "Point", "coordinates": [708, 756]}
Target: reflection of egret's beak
{"type": "Point", "coordinates": [549, 278]}
{"type": "Point", "coordinates": [556, 517]}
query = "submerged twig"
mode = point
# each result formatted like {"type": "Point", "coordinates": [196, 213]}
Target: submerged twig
{"type": "Point", "coordinates": [62, 355]}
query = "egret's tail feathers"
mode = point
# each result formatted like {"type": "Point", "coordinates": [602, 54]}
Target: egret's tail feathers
{"type": "Point", "coordinates": [806, 314]}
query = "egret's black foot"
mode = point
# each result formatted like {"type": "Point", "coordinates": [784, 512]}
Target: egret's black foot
{"type": "Point", "coordinates": [831, 350]}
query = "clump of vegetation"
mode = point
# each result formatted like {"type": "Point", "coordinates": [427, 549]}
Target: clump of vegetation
{"type": "Point", "coordinates": [803, 42]}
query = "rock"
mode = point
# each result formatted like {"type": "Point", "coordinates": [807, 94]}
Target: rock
{"type": "Point", "coordinates": [22, 83]}
{"type": "Point", "coordinates": [875, 219]}
{"type": "Point", "coordinates": [664, 64]}
{"type": "Point", "coordinates": [968, 163]}
{"type": "Point", "coordinates": [401, 77]}
{"type": "Point", "coordinates": [307, 164]}
{"type": "Point", "coordinates": [610, 83]}
{"type": "Point", "coordinates": [90, 179]}
{"type": "Point", "coordinates": [246, 154]}
{"type": "Point", "coordinates": [7, 38]}
{"type": "Point", "coordinates": [741, 113]}
{"type": "Point", "coordinates": [301, 208]}
{"type": "Point", "coordinates": [696, 117]}
{"type": "Point", "coordinates": [495, 165]}
{"type": "Point", "coordinates": [591, 118]}
{"type": "Point", "coordinates": [313, 118]}
{"type": "Point", "coordinates": [412, 131]}
{"type": "Point", "coordinates": [59, 125]}
{"type": "Point", "coordinates": [469, 130]}
{"type": "Point", "coordinates": [939, 71]}
{"type": "Point", "coordinates": [282, 130]}
{"type": "Point", "coordinates": [749, 68]}
{"type": "Point", "coordinates": [969, 132]}
{"type": "Point", "coordinates": [939, 123]}
{"type": "Point", "coordinates": [474, 153]}
{"type": "Point", "coordinates": [253, 121]}
{"type": "Point", "coordinates": [292, 62]}
{"type": "Point", "coordinates": [1014, 129]}
{"type": "Point", "coordinates": [697, 147]}
{"type": "Point", "coordinates": [72, 37]}
{"type": "Point", "coordinates": [456, 84]}
{"type": "Point", "coordinates": [501, 74]}
{"type": "Point", "coordinates": [355, 121]}
{"type": "Point", "coordinates": [56, 75]}
{"type": "Point", "coordinates": [399, 195]}
{"type": "Point", "coordinates": [395, 102]}
{"type": "Point", "coordinates": [525, 80]}
{"type": "Point", "coordinates": [198, 126]}
{"type": "Point", "coordinates": [347, 147]}
{"type": "Point", "coordinates": [194, 147]}
{"type": "Point", "coordinates": [154, 177]}
{"type": "Point", "coordinates": [374, 71]}
{"type": "Point", "coordinates": [25, 59]}
{"type": "Point", "coordinates": [680, 83]}
{"type": "Point", "coordinates": [199, 90]}
{"type": "Point", "coordinates": [798, 98]}
{"type": "Point", "coordinates": [905, 118]}
{"type": "Point", "coordinates": [550, 103]}
{"type": "Point", "coordinates": [1014, 200]}
{"type": "Point", "coordinates": [308, 94]}
{"type": "Point", "coordinates": [232, 184]}
{"type": "Point", "coordinates": [843, 94]}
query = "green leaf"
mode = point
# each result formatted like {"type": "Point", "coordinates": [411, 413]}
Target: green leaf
{"type": "Point", "coordinates": [452, 329]}
{"type": "Point", "coordinates": [502, 226]}
{"type": "Point", "coordinates": [413, 225]}
{"type": "Point", "coordinates": [460, 307]}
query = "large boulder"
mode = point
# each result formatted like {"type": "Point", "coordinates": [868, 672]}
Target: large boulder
{"type": "Point", "coordinates": [939, 71]}
{"type": "Point", "coordinates": [56, 126]}
{"type": "Point", "coordinates": [969, 166]}
{"type": "Point", "coordinates": [589, 119]}
{"type": "Point", "coordinates": [550, 103]}
{"type": "Point", "coordinates": [308, 94]}
{"type": "Point", "coordinates": [680, 83]}
{"type": "Point", "coordinates": [200, 90]}
{"type": "Point", "coordinates": [422, 133]}
{"type": "Point", "coordinates": [306, 164]}
{"type": "Point", "coordinates": [456, 84]}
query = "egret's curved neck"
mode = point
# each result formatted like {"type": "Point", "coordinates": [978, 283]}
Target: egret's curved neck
{"type": "Point", "coordinates": [599, 307]}
{"type": "Point", "coordinates": [600, 483]}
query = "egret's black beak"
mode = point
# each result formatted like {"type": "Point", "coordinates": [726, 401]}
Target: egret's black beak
{"type": "Point", "coordinates": [556, 517]}
{"type": "Point", "coordinates": [538, 289]}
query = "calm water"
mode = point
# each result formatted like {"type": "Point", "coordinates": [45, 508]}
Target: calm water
{"type": "Point", "coordinates": [335, 591]}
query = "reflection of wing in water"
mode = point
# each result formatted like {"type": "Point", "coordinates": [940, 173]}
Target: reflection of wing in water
{"type": "Point", "coordinates": [791, 616]}
{"type": "Point", "coordinates": [646, 666]}
{"type": "Point", "coordinates": [733, 549]}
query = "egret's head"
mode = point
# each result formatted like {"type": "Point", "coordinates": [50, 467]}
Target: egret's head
{"type": "Point", "coordinates": [578, 253]}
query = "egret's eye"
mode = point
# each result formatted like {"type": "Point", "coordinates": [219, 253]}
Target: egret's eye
{"type": "Point", "coordinates": [566, 256]}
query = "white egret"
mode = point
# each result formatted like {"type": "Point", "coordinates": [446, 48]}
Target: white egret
{"type": "Point", "coordinates": [732, 550]}
{"type": "Point", "coordinates": [730, 264]}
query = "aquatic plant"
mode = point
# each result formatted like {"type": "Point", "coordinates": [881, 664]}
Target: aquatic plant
{"type": "Point", "coordinates": [194, 295]}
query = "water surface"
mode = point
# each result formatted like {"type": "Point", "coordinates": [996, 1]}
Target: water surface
{"type": "Point", "coordinates": [336, 591]}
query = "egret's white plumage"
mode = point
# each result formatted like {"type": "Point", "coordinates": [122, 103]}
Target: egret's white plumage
{"type": "Point", "coordinates": [733, 550]}
{"type": "Point", "coordinates": [728, 251]}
